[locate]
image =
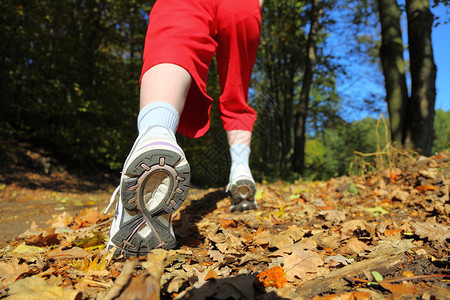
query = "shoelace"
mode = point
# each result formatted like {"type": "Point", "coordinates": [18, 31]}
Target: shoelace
{"type": "Point", "coordinates": [113, 199]}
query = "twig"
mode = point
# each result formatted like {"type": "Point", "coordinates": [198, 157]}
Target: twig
{"type": "Point", "coordinates": [106, 285]}
{"type": "Point", "coordinates": [400, 279]}
{"type": "Point", "coordinates": [93, 226]}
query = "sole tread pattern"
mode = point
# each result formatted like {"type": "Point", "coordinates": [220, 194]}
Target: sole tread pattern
{"type": "Point", "coordinates": [139, 172]}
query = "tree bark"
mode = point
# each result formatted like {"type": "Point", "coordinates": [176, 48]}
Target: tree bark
{"type": "Point", "coordinates": [298, 159]}
{"type": "Point", "coordinates": [391, 55]}
{"type": "Point", "coordinates": [423, 76]}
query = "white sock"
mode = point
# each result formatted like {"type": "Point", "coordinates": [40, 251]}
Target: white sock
{"type": "Point", "coordinates": [240, 154]}
{"type": "Point", "coordinates": [158, 114]}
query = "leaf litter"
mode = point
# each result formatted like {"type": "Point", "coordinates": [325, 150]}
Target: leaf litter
{"type": "Point", "coordinates": [307, 240]}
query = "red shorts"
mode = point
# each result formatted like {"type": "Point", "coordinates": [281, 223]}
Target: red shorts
{"type": "Point", "coordinates": [188, 33]}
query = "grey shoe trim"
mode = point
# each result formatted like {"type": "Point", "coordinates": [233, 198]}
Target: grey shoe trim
{"type": "Point", "coordinates": [243, 195]}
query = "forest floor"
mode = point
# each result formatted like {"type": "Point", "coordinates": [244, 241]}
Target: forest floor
{"type": "Point", "coordinates": [382, 235]}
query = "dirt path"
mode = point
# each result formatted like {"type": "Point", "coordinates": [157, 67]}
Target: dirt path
{"type": "Point", "coordinates": [28, 195]}
{"type": "Point", "coordinates": [21, 206]}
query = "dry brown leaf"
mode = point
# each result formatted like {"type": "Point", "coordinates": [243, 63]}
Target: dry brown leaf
{"type": "Point", "coordinates": [354, 247]}
{"type": "Point", "coordinates": [176, 283]}
{"type": "Point", "coordinates": [351, 228]}
{"type": "Point", "coordinates": [301, 262]}
{"type": "Point", "coordinates": [89, 216]}
{"type": "Point", "coordinates": [262, 238]}
{"type": "Point", "coordinates": [216, 255]}
{"type": "Point", "coordinates": [61, 220]}
{"type": "Point", "coordinates": [211, 275]}
{"type": "Point", "coordinates": [326, 238]}
{"type": "Point", "coordinates": [227, 223]}
{"type": "Point", "coordinates": [389, 232]}
{"type": "Point", "coordinates": [399, 289]}
{"type": "Point", "coordinates": [400, 194]}
{"type": "Point", "coordinates": [143, 287]}
{"type": "Point", "coordinates": [11, 270]}
{"type": "Point", "coordinates": [75, 252]}
{"type": "Point", "coordinates": [32, 231]}
{"type": "Point", "coordinates": [41, 240]}
{"type": "Point", "coordinates": [36, 288]}
{"type": "Point", "coordinates": [426, 187]}
{"type": "Point", "coordinates": [309, 245]}
{"type": "Point", "coordinates": [333, 215]}
{"type": "Point", "coordinates": [431, 230]}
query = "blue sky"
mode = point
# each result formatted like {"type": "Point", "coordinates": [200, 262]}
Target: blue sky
{"type": "Point", "coordinates": [364, 80]}
{"type": "Point", "coordinates": [441, 48]}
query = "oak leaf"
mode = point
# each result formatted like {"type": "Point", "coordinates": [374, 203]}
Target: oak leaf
{"type": "Point", "coordinates": [301, 262]}
{"type": "Point", "coordinates": [432, 230]}
{"type": "Point", "coordinates": [10, 271]}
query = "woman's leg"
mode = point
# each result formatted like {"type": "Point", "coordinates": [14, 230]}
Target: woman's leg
{"type": "Point", "coordinates": [165, 82]}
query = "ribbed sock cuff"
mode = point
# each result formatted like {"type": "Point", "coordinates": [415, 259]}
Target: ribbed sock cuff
{"type": "Point", "coordinates": [158, 114]}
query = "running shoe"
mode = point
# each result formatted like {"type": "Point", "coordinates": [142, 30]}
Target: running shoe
{"type": "Point", "coordinates": [153, 185]}
{"type": "Point", "coordinates": [242, 188]}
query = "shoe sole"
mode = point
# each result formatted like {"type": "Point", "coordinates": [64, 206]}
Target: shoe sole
{"type": "Point", "coordinates": [243, 195]}
{"type": "Point", "coordinates": [140, 171]}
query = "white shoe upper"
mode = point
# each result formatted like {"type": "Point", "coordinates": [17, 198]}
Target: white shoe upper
{"type": "Point", "coordinates": [152, 138]}
{"type": "Point", "coordinates": [239, 172]}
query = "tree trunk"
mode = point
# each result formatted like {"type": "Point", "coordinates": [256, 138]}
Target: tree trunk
{"type": "Point", "coordinates": [423, 76]}
{"type": "Point", "coordinates": [298, 159]}
{"type": "Point", "coordinates": [391, 55]}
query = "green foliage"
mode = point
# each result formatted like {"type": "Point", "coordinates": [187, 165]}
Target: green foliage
{"type": "Point", "coordinates": [69, 76]}
{"type": "Point", "coordinates": [314, 158]}
{"type": "Point", "coordinates": [441, 131]}
{"type": "Point", "coordinates": [341, 142]}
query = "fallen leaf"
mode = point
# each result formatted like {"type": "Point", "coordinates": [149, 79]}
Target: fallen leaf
{"type": "Point", "coordinates": [227, 223]}
{"type": "Point", "coordinates": [273, 277]}
{"type": "Point", "coordinates": [301, 262]}
{"type": "Point", "coordinates": [176, 283]}
{"type": "Point", "coordinates": [432, 230]}
{"type": "Point", "coordinates": [389, 232]}
{"type": "Point", "coordinates": [86, 217]}
{"type": "Point", "coordinates": [339, 259]}
{"type": "Point", "coordinates": [22, 248]}
{"type": "Point", "coordinates": [34, 230]}
{"type": "Point", "coordinates": [36, 288]}
{"type": "Point", "coordinates": [333, 215]}
{"type": "Point", "coordinates": [309, 245]}
{"type": "Point", "coordinates": [41, 240]}
{"type": "Point", "coordinates": [10, 271]}
{"type": "Point", "coordinates": [354, 247]}
{"type": "Point", "coordinates": [355, 228]}
{"type": "Point", "coordinates": [426, 187]}
{"type": "Point", "coordinates": [211, 275]}
{"type": "Point", "coordinates": [61, 220]}
{"type": "Point", "coordinates": [75, 252]}
{"type": "Point", "coordinates": [97, 239]}
{"type": "Point", "coordinates": [376, 211]}
{"type": "Point", "coordinates": [400, 289]}
{"type": "Point", "coordinates": [216, 255]}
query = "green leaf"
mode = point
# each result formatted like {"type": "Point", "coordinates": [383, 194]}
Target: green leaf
{"type": "Point", "coordinates": [377, 276]}
{"type": "Point", "coordinates": [352, 189]}
{"type": "Point", "coordinates": [377, 210]}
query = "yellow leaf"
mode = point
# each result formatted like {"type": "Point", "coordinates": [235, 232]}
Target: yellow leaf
{"type": "Point", "coordinates": [22, 248]}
